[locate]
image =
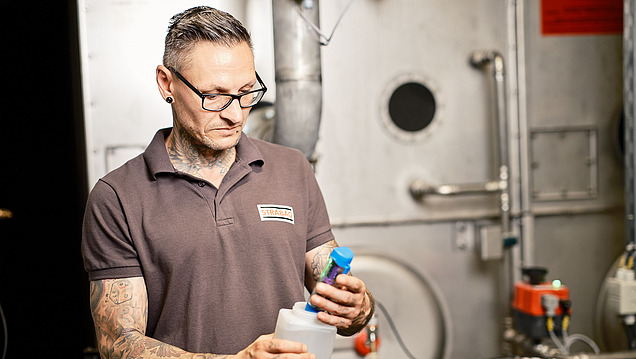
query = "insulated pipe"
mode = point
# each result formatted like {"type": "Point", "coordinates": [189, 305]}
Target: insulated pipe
{"type": "Point", "coordinates": [298, 76]}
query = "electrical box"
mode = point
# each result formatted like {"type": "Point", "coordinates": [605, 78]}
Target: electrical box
{"type": "Point", "coordinates": [622, 295]}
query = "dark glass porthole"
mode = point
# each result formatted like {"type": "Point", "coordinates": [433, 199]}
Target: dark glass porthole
{"type": "Point", "coordinates": [412, 107]}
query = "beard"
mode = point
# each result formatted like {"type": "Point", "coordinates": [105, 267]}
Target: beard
{"type": "Point", "coordinates": [189, 136]}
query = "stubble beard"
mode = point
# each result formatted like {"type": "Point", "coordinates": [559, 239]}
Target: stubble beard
{"type": "Point", "coordinates": [201, 143]}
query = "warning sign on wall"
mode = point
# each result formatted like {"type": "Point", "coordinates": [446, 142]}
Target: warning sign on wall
{"type": "Point", "coordinates": [581, 17]}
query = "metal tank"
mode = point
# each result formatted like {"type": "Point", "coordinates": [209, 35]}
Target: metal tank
{"type": "Point", "coordinates": [457, 143]}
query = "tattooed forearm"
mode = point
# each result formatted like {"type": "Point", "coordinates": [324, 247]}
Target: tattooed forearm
{"type": "Point", "coordinates": [120, 310]}
{"type": "Point", "coordinates": [97, 291]}
{"type": "Point", "coordinates": [319, 261]}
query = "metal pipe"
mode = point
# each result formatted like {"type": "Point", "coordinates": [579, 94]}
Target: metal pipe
{"type": "Point", "coordinates": [298, 76]}
{"type": "Point", "coordinates": [419, 188]}
{"type": "Point", "coordinates": [480, 59]}
{"type": "Point", "coordinates": [629, 110]}
{"type": "Point", "coordinates": [525, 205]}
{"type": "Point", "coordinates": [502, 185]}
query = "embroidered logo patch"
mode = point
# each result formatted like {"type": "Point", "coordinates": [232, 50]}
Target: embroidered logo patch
{"type": "Point", "coordinates": [276, 212]}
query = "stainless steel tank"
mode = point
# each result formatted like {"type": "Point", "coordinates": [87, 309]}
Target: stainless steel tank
{"type": "Point", "coordinates": [401, 103]}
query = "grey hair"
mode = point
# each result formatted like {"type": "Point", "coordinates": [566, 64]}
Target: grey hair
{"type": "Point", "coordinates": [201, 23]}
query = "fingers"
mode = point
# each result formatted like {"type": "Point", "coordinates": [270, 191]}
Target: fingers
{"type": "Point", "coordinates": [343, 306]}
{"type": "Point", "coordinates": [352, 284]}
{"type": "Point", "coordinates": [275, 346]}
{"type": "Point", "coordinates": [265, 337]}
{"type": "Point", "coordinates": [350, 293]}
{"type": "Point", "coordinates": [268, 347]}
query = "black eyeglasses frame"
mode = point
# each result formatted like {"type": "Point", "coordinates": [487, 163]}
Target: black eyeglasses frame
{"type": "Point", "coordinates": [232, 96]}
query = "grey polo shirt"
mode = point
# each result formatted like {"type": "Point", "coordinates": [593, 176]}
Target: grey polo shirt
{"type": "Point", "coordinates": [218, 263]}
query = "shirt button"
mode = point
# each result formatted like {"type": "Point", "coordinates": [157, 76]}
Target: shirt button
{"type": "Point", "coordinates": [201, 184]}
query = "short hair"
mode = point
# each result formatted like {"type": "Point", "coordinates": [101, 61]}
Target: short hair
{"type": "Point", "coordinates": [201, 23]}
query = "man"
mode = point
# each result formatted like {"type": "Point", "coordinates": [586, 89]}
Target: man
{"type": "Point", "coordinates": [194, 246]}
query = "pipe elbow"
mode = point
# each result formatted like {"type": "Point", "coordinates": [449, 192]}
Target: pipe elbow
{"type": "Point", "coordinates": [482, 58]}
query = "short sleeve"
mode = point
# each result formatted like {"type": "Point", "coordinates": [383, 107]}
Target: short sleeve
{"type": "Point", "coordinates": [107, 248]}
{"type": "Point", "coordinates": [319, 228]}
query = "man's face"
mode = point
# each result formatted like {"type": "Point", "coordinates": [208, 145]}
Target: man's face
{"type": "Point", "coordinates": [214, 68]}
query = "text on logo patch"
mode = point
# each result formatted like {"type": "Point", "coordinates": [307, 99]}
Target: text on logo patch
{"type": "Point", "coordinates": [276, 212]}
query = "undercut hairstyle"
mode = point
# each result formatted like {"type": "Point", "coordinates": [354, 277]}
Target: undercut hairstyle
{"type": "Point", "coordinates": [201, 23]}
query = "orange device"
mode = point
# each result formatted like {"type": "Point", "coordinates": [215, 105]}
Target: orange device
{"type": "Point", "coordinates": [539, 306]}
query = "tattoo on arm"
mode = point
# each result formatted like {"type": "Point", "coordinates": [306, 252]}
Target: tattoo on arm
{"type": "Point", "coordinates": [319, 261]}
{"type": "Point", "coordinates": [120, 311]}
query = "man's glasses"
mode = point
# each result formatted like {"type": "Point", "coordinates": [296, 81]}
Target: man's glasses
{"type": "Point", "coordinates": [219, 102]}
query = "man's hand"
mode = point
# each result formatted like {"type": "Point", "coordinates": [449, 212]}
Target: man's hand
{"type": "Point", "coordinates": [348, 306]}
{"type": "Point", "coordinates": [268, 347]}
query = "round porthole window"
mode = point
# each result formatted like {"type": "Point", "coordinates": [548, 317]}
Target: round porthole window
{"type": "Point", "coordinates": [409, 107]}
{"type": "Point", "coordinates": [412, 107]}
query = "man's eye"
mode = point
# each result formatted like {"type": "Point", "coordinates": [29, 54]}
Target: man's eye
{"type": "Point", "coordinates": [212, 97]}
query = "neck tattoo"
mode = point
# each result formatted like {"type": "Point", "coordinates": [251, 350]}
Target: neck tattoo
{"type": "Point", "coordinates": [197, 160]}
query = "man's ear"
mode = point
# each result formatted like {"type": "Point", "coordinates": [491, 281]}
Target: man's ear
{"type": "Point", "coordinates": [164, 81]}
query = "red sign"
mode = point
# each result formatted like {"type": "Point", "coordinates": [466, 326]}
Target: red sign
{"type": "Point", "coordinates": [581, 17]}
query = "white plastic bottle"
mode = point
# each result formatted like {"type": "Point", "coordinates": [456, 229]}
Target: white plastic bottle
{"type": "Point", "coordinates": [303, 326]}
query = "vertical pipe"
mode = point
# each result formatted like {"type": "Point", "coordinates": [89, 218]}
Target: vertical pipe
{"type": "Point", "coordinates": [481, 58]}
{"type": "Point", "coordinates": [629, 128]}
{"type": "Point", "coordinates": [502, 127]}
{"type": "Point", "coordinates": [527, 217]}
{"type": "Point", "coordinates": [298, 76]}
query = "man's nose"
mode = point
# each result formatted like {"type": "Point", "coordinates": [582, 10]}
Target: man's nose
{"type": "Point", "coordinates": [233, 112]}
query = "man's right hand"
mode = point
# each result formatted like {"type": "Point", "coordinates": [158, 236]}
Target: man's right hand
{"type": "Point", "coordinates": [268, 347]}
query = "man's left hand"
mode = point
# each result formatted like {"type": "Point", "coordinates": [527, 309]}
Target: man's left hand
{"type": "Point", "coordinates": [348, 305]}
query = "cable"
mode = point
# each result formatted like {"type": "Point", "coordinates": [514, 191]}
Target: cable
{"type": "Point", "coordinates": [315, 31]}
{"type": "Point", "coordinates": [580, 337]}
{"type": "Point", "coordinates": [550, 326]}
{"type": "Point", "coordinates": [6, 334]}
{"type": "Point", "coordinates": [558, 343]}
{"type": "Point", "coordinates": [569, 340]}
{"type": "Point", "coordinates": [394, 330]}
{"type": "Point", "coordinates": [630, 332]}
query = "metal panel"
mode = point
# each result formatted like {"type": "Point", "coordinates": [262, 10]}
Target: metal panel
{"type": "Point", "coordinates": [574, 82]}
{"type": "Point", "coordinates": [564, 163]}
{"type": "Point", "coordinates": [371, 54]}
{"type": "Point", "coordinates": [464, 286]}
{"type": "Point", "coordinates": [365, 163]}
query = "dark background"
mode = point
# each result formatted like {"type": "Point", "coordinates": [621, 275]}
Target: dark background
{"type": "Point", "coordinates": [43, 287]}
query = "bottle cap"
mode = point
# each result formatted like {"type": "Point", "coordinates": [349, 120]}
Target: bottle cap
{"type": "Point", "coordinates": [343, 257]}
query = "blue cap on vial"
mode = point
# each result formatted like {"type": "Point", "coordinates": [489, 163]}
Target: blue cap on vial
{"type": "Point", "coordinates": [343, 257]}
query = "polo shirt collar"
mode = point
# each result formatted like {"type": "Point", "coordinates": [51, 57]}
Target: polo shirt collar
{"type": "Point", "coordinates": [156, 155]}
{"type": "Point", "coordinates": [247, 152]}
